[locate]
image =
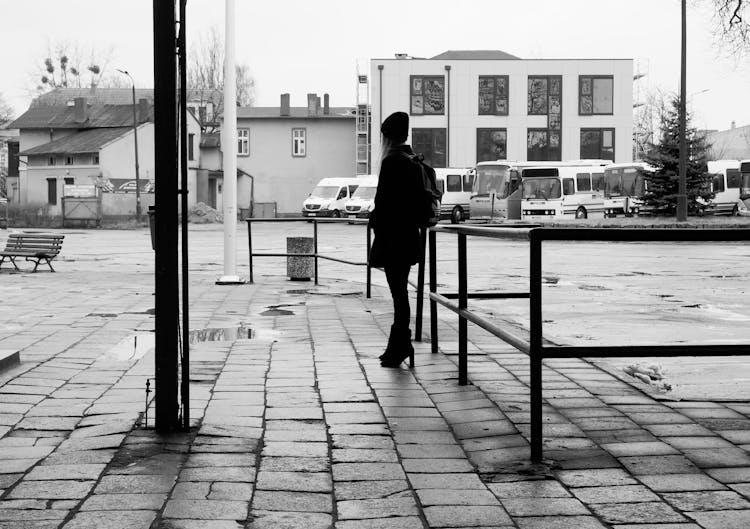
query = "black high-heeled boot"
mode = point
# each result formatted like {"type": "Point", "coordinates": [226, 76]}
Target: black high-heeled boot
{"type": "Point", "coordinates": [392, 341]}
{"type": "Point", "coordinates": [402, 351]}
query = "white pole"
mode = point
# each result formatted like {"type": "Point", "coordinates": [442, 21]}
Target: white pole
{"type": "Point", "coordinates": [229, 148]}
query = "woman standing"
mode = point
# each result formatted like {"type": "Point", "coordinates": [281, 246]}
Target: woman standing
{"type": "Point", "coordinates": [396, 245]}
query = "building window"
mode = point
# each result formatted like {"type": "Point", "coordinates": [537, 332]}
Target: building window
{"type": "Point", "coordinates": [52, 191]}
{"type": "Point", "coordinates": [52, 160]}
{"type": "Point", "coordinates": [427, 94]}
{"type": "Point", "coordinates": [492, 144]}
{"type": "Point", "coordinates": [69, 160]}
{"type": "Point", "coordinates": [243, 142]}
{"type": "Point", "coordinates": [545, 95]}
{"type": "Point", "coordinates": [96, 159]}
{"type": "Point", "coordinates": [542, 145]}
{"type": "Point", "coordinates": [431, 144]}
{"type": "Point", "coordinates": [69, 181]}
{"type": "Point", "coordinates": [191, 147]}
{"type": "Point", "coordinates": [598, 144]}
{"type": "Point", "coordinates": [299, 147]}
{"type": "Point", "coordinates": [595, 94]}
{"type": "Point", "coordinates": [493, 95]}
{"type": "Point", "coordinates": [202, 115]}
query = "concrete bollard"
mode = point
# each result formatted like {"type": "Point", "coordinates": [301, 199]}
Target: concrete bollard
{"type": "Point", "coordinates": [299, 268]}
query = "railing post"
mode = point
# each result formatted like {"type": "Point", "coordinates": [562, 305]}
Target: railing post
{"type": "Point", "coordinates": [433, 288]}
{"type": "Point", "coordinates": [420, 285]}
{"type": "Point", "coordinates": [367, 260]}
{"type": "Point", "coordinates": [535, 349]}
{"type": "Point", "coordinates": [462, 305]}
{"type": "Point", "coordinates": [315, 247]}
{"type": "Point", "coordinates": [250, 248]}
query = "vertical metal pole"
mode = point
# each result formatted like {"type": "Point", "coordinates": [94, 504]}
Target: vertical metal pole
{"type": "Point", "coordinates": [185, 363]}
{"type": "Point", "coordinates": [165, 165]}
{"type": "Point", "coordinates": [682, 187]}
{"type": "Point", "coordinates": [367, 259]}
{"type": "Point", "coordinates": [535, 353]}
{"type": "Point", "coordinates": [462, 304]}
{"type": "Point", "coordinates": [137, 172]}
{"type": "Point", "coordinates": [250, 248]}
{"type": "Point", "coordinates": [420, 285]}
{"type": "Point", "coordinates": [448, 116]}
{"type": "Point", "coordinates": [315, 247]}
{"type": "Point", "coordinates": [433, 288]}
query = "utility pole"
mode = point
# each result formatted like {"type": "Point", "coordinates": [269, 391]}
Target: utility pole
{"type": "Point", "coordinates": [135, 139]}
{"type": "Point", "coordinates": [682, 189]}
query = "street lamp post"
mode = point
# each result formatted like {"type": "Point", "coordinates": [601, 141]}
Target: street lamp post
{"type": "Point", "coordinates": [135, 139]}
{"type": "Point", "coordinates": [682, 185]}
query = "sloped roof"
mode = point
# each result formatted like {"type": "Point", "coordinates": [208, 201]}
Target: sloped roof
{"type": "Point", "coordinates": [294, 113]}
{"type": "Point", "coordinates": [484, 55]}
{"type": "Point", "coordinates": [108, 96]}
{"type": "Point", "coordinates": [63, 117]}
{"type": "Point", "coordinates": [80, 142]}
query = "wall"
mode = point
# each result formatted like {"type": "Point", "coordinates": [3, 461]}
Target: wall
{"type": "Point", "coordinates": [732, 144]}
{"type": "Point", "coordinates": [287, 180]}
{"type": "Point", "coordinates": [116, 158]}
{"type": "Point", "coordinates": [34, 182]}
{"type": "Point", "coordinates": [463, 102]}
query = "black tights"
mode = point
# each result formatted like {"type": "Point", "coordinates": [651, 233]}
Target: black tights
{"type": "Point", "coordinates": [397, 276]}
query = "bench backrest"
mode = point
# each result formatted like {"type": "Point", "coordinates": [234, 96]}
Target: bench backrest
{"type": "Point", "coordinates": [46, 243]}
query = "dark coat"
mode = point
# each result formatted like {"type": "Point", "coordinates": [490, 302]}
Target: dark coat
{"type": "Point", "coordinates": [394, 220]}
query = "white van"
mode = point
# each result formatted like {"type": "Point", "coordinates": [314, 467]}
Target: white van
{"type": "Point", "coordinates": [456, 186]}
{"type": "Point", "coordinates": [553, 193]}
{"type": "Point", "coordinates": [329, 197]}
{"type": "Point", "coordinates": [725, 183]}
{"type": "Point", "coordinates": [362, 201]}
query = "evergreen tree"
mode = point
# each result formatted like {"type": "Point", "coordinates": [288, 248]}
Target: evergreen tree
{"type": "Point", "coordinates": [662, 186]}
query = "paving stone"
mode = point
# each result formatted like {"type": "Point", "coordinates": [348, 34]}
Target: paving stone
{"type": "Point", "coordinates": [220, 460]}
{"type": "Point", "coordinates": [295, 464]}
{"type": "Point", "coordinates": [722, 519]}
{"type": "Point", "coordinates": [171, 523]}
{"type": "Point", "coordinates": [134, 484]}
{"type": "Point", "coordinates": [430, 451]}
{"type": "Point", "coordinates": [295, 449]}
{"type": "Point", "coordinates": [718, 457]}
{"type": "Point", "coordinates": [465, 516]}
{"type": "Point", "coordinates": [191, 490]}
{"type": "Point", "coordinates": [27, 515]}
{"type": "Point", "coordinates": [367, 471]}
{"type": "Point", "coordinates": [639, 449]}
{"type": "Point", "coordinates": [619, 494]}
{"type": "Point", "coordinates": [596, 477]}
{"type": "Point", "coordinates": [206, 509]}
{"type": "Point", "coordinates": [80, 471]}
{"type": "Point", "coordinates": [429, 497]}
{"type": "Point", "coordinates": [560, 522]}
{"type": "Point", "coordinates": [295, 481]}
{"type": "Point", "coordinates": [707, 501]}
{"type": "Point", "coordinates": [406, 522]}
{"type": "Point", "coordinates": [116, 502]}
{"type": "Point", "coordinates": [350, 455]}
{"type": "Point", "coordinates": [659, 465]}
{"type": "Point", "coordinates": [399, 505]}
{"type": "Point", "coordinates": [680, 482]}
{"type": "Point", "coordinates": [231, 491]}
{"type": "Point", "coordinates": [730, 475]}
{"type": "Point", "coordinates": [363, 490]}
{"type": "Point", "coordinates": [548, 507]}
{"type": "Point", "coordinates": [15, 466]}
{"type": "Point", "coordinates": [52, 489]}
{"type": "Point", "coordinates": [529, 489]}
{"type": "Point", "coordinates": [651, 512]}
{"type": "Point", "coordinates": [446, 481]}
{"type": "Point", "coordinates": [362, 441]}
{"type": "Point", "coordinates": [435, 465]}
{"type": "Point", "coordinates": [293, 501]}
{"type": "Point", "coordinates": [471, 430]}
{"type": "Point", "coordinates": [79, 458]}
{"type": "Point", "coordinates": [112, 520]}
{"type": "Point", "coordinates": [289, 520]}
{"type": "Point", "coordinates": [239, 474]}
{"type": "Point", "coordinates": [295, 435]}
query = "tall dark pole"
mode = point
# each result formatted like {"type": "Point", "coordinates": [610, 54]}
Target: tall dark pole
{"type": "Point", "coordinates": [165, 165]}
{"type": "Point", "coordinates": [682, 190]}
{"type": "Point", "coordinates": [185, 360]}
{"type": "Point", "coordinates": [135, 139]}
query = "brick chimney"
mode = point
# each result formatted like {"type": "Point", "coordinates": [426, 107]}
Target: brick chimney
{"type": "Point", "coordinates": [326, 108]}
{"type": "Point", "coordinates": [313, 103]}
{"type": "Point", "coordinates": [284, 110]}
{"type": "Point", "coordinates": [81, 112]}
{"type": "Point", "coordinates": [143, 107]}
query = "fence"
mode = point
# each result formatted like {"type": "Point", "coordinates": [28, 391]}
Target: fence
{"type": "Point", "coordinates": [534, 346]}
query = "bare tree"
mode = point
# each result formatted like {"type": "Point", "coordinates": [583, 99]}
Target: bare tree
{"type": "Point", "coordinates": [732, 25]}
{"type": "Point", "coordinates": [72, 65]}
{"type": "Point", "coordinates": [205, 78]}
{"type": "Point", "coordinates": [6, 112]}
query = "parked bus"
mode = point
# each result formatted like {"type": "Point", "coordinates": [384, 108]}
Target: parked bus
{"type": "Point", "coordinates": [496, 182]}
{"type": "Point", "coordinates": [725, 184]}
{"type": "Point", "coordinates": [552, 193]}
{"type": "Point", "coordinates": [456, 186]}
{"type": "Point", "coordinates": [362, 201]}
{"type": "Point", "coordinates": [624, 186]}
{"type": "Point", "coordinates": [329, 197]}
{"type": "Point", "coordinates": [744, 206]}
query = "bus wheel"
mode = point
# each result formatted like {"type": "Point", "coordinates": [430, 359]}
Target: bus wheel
{"type": "Point", "coordinates": [457, 215]}
{"type": "Point", "coordinates": [735, 211]}
{"type": "Point", "coordinates": [581, 213]}
{"type": "Point", "coordinates": [336, 214]}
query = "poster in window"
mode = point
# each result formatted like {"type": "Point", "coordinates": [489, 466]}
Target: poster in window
{"type": "Point", "coordinates": [416, 86]}
{"type": "Point", "coordinates": [590, 148]}
{"type": "Point", "coordinates": [486, 89]}
{"type": "Point", "coordinates": [416, 105]}
{"type": "Point", "coordinates": [554, 86]}
{"type": "Point", "coordinates": [607, 138]}
{"type": "Point", "coordinates": [491, 144]}
{"type": "Point", "coordinates": [538, 96]}
{"type": "Point", "coordinates": [554, 140]}
{"type": "Point", "coordinates": [502, 87]}
{"type": "Point", "coordinates": [554, 104]}
{"type": "Point", "coordinates": [602, 96]}
{"type": "Point", "coordinates": [586, 86]}
{"type": "Point", "coordinates": [433, 92]}
{"type": "Point", "coordinates": [555, 121]}
{"type": "Point", "coordinates": [586, 105]}
{"type": "Point", "coordinates": [501, 105]}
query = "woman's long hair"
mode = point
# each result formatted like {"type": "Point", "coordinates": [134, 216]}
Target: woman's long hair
{"type": "Point", "coordinates": [386, 144]}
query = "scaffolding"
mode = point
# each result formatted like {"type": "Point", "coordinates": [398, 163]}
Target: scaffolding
{"type": "Point", "coordinates": [362, 127]}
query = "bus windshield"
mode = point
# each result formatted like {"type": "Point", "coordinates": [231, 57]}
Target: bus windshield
{"type": "Point", "coordinates": [745, 185]}
{"type": "Point", "coordinates": [365, 192]}
{"type": "Point", "coordinates": [612, 182]}
{"type": "Point", "coordinates": [543, 188]}
{"type": "Point", "coordinates": [632, 182]}
{"type": "Point", "coordinates": [325, 192]}
{"type": "Point", "coordinates": [492, 179]}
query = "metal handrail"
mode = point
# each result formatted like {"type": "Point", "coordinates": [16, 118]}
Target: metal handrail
{"type": "Point", "coordinates": [535, 346]}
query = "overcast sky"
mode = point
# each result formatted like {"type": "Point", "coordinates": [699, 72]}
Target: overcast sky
{"type": "Point", "coordinates": [298, 46]}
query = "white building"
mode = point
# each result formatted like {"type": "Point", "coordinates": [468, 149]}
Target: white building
{"type": "Point", "coordinates": [470, 106]}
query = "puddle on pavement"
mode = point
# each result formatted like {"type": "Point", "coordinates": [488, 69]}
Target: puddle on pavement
{"type": "Point", "coordinates": [277, 312]}
{"type": "Point", "coordinates": [131, 348]}
{"type": "Point", "coordinates": [221, 334]}
{"type": "Point", "coordinates": [101, 315]}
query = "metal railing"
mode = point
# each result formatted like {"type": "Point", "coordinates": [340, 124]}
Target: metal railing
{"type": "Point", "coordinates": [315, 255]}
{"type": "Point", "coordinates": [535, 346]}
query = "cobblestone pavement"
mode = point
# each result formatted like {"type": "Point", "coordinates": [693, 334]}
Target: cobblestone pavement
{"type": "Point", "coordinates": [298, 426]}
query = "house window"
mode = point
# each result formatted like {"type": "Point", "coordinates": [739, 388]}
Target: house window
{"type": "Point", "coordinates": [492, 144]}
{"type": "Point", "coordinates": [542, 145]}
{"type": "Point", "coordinates": [69, 181]}
{"type": "Point", "coordinates": [595, 94]}
{"type": "Point", "coordinates": [96, 159]}
{"type": "Point", "coordinates": [52, 191]}
{"type": "Point", "coordinates": [191, 146]}
{"type": "Point", "coordinates": [202, 115]}
{"type": "Point", "coordinates": [598, 144]}
{"type": "Point", "coordinates": [493, 95]}
{"type": "Point", "coordinates": [427, 94]}
{"type": "Point", "coordinates": [299, 147]}
{"type": "Point", "coordinates": [243, 142]}
{"type": "Point", "coordinates": [431, 144]}
{"type": "Point", "coordinates": [69, 160]}
{"type": "Point", "coordinates": [52, 160]}
{"type": "Point", "coordinates": [545, 95]}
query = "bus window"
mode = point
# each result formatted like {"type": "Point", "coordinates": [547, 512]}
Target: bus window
{"type": "Point", "coordinates": [733, 178]}
{"type": "Point", "coordinates": [628, 181]}
{"type": "Point", "coordinates": [352, 189]}
{"type": "Point", "coordinates": [717, 183]}
{"type": "Point", "coordinates": [613, 182]}
{"type": "Point", "coordinates": [597, 181]}
{"type": "Point", "coordinates": [568, 186]}
{"type": "Point", "coordinates": [453, 183]}
{"type": "Point", "coordinates": [490, 179]}
{"type": "Point", "coordinates": [541, 188]}
{"type": "Point", "coordinates": [468, 181]}
{"type": "Point", "coordinates": [583, 181]}
{"type": "Point", "coordinates": [441, 186]}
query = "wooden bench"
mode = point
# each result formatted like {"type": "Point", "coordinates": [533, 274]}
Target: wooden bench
{"type": "Point", "coordinates": [36, 247]}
